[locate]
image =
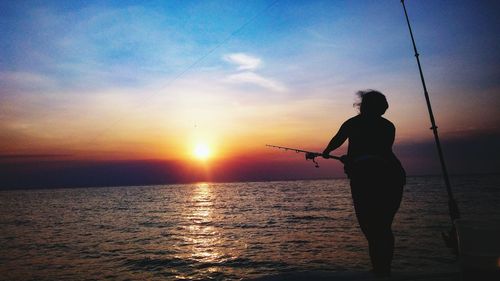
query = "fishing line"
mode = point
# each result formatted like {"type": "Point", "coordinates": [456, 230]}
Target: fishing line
{"type": "Point", "coordinates": [180, 74]}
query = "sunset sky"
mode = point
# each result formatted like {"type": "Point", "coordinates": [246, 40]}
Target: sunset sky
{"type": "Point", "coordinates": [92, 86]}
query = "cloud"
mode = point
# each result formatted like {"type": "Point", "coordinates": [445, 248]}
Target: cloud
{"type": "Point", "coordinates": [25, 80]}
{"type": "Point", "coordinates": [246, 65]}
{"type": "Point", "coordinates": [254, 78]}
{"type": "Point", "coordinates": [466, 152]}
{"type": "Point", "coordinates": [94, 47]}
{"type": "Point", "coordinates": [31, 156]}
{"type": "Point", "coordinates": [243, 61]}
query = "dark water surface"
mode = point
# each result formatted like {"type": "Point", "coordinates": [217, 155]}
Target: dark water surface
{"type": "Point", "coordinates": [221, 230]}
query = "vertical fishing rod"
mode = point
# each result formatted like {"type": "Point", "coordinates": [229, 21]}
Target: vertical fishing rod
{"type": "Point", "coordinates": [452, 204]}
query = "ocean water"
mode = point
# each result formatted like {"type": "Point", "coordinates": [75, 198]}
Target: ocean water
{"type": "Point", "coordinates": [223, 231]}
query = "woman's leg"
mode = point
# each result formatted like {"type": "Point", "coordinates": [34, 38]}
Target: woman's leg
{"type": "Point", "coordinates": [383, 235]}
{"type": "Point", "coordinates": [375, 213]}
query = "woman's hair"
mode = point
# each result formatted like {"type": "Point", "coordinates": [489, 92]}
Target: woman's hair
{"type": "Point", "coordinates": [371, 102]}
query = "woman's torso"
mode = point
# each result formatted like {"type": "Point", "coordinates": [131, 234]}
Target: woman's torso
{"type": "Point", "coordinates": [370, 150]}
{"type": "Point", "coordinates": [370, 136]}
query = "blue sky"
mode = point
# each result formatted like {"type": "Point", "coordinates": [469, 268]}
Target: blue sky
{"type": "Point", "coordinates": [135, 34]}
{"type": "Point", "coordinates": [163, 37]}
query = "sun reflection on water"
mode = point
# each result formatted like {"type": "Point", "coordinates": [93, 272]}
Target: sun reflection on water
{"type": "Point", "coordinates": [203, 236]}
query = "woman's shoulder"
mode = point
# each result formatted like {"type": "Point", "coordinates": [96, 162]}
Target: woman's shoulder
{"type": "Point", "coordinates": [353, 119]}
{"type": "Point", "coordinates": [359, 121]}
{"type": "Point", "coordinates": [351, 122]}
{"type": "Point", "coordinates": [387, 122]}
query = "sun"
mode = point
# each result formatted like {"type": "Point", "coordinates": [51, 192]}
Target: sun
{"type": "Point", "coordinates": [202, 151]}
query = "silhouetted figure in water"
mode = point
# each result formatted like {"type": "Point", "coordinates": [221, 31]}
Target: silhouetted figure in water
{"type": "Point", "coordinates": [376, 175]}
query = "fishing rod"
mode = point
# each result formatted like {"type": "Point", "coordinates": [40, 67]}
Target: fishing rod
{"type": "Point", "coordinates": [309, 154]}
{"type": "Point", "coordinates": [451, 238]}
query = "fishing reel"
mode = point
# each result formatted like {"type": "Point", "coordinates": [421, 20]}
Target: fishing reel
{"type": "Point", "coordinates": [312, 156]}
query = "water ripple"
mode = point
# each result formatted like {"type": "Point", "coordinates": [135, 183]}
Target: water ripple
{"type": "Point", "coordinates": [220, 231]}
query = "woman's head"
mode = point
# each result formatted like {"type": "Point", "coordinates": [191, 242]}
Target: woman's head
{"type": "Point", "coordinates": [372, 103]}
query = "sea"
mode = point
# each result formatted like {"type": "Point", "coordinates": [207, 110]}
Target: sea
{"type": "Point", "coordinates": [223, 231]}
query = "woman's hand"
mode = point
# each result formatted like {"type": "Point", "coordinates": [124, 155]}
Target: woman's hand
{"type": "Point", "coordinates": [344, 159]}
{"type": "Point", "coordinates": [326, 154]}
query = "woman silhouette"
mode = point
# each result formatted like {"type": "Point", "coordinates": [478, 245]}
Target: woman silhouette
{"type": "Point", "coordinates": [376, 175]}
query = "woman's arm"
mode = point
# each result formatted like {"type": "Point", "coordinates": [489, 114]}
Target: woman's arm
{"type": "Point", "coordinates": [338, 139]}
